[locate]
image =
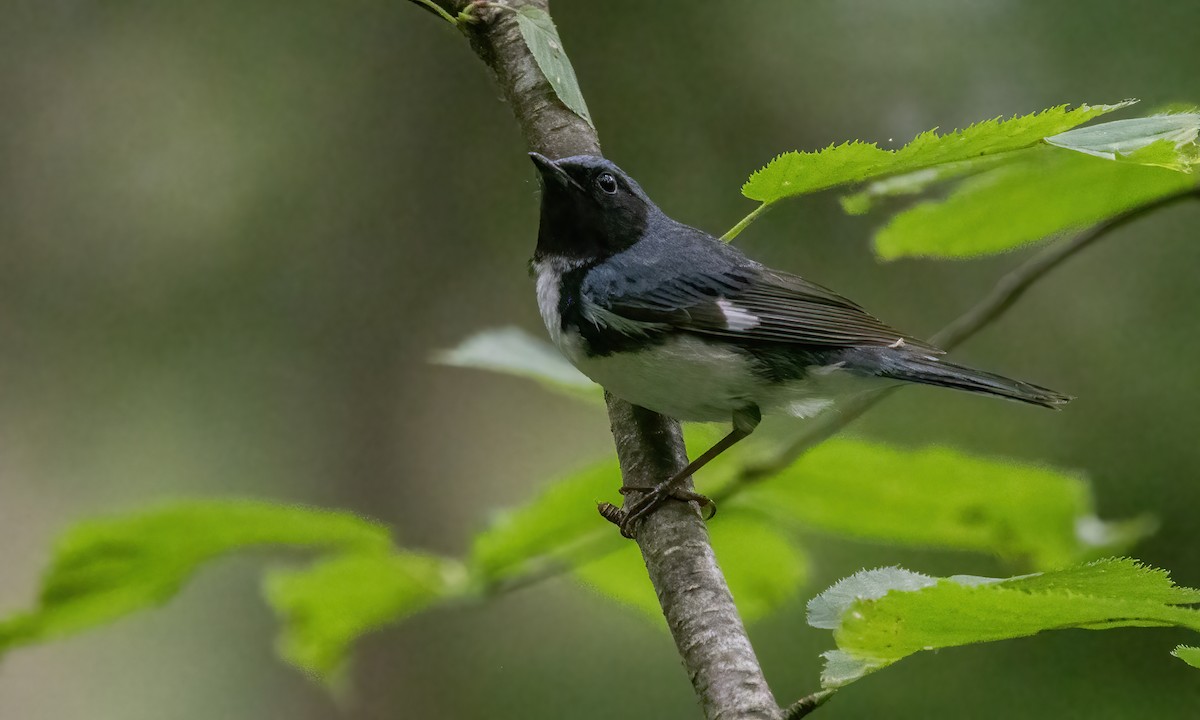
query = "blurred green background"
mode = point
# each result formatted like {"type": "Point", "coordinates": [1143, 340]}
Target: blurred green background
{"type": "Point", "coordinates": [231, 234]}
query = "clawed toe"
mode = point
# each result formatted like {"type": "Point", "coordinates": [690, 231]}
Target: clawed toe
{"type": "Point", "coordinates": [627, 518]}
{"type": "Point", "coordinates": [708, 508]}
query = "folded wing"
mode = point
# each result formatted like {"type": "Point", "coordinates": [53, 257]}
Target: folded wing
{"type": "Point", "coordinates": [750, 304]}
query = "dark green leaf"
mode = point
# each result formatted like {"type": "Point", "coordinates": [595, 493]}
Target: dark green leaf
{"type": "Point", "coordinates": [541, 37]}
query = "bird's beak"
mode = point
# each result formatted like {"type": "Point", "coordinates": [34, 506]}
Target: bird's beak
{"type": "Point", "coordinates": [551, 172]}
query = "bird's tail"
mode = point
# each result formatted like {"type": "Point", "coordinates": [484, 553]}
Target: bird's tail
{"type": "Point", "coordinates": [929, 371]}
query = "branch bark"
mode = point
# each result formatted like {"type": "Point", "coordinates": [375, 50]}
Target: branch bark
{"type": "Point", "coordinates": [674, 542]}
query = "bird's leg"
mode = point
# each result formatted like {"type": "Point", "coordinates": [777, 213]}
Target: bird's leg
{"type": "Point", "coordinates": [744, 422]}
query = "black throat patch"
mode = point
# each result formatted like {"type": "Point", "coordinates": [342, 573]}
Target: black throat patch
{"type": "Point", "coordinates": [576, 226]}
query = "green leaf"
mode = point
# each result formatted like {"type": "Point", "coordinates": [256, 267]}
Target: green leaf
{"type": "Point", "coordinates": [764, 568]}
{"type": "Point", "coordinates": [104, 569]}
{"type": "Point", "coordinates": [559, 528]}
{"type": "Point", "coordinates": [797, 173]}
{"type": "Point", "coordinates": [942, 498]}
{"type": "Point", "coordinates": [1165, 154]}
{"type": "Point", "coordinates": [515, 352]}
{"type": "Point", "coordinates": [541, 37]}
{"type": "Point", "coordinates": [825, 610]}
{"type": "Point", "coordinates": [916, 182]}
{"type": "Point", "coordinates": [620, 575]}
{"type": "Point", "coordinates": [1042, 194]}
{"type": "Point", "coordinates": [1173, 135]}
{"type": "Point", "coordinates": [879, 617]}
{"type": "Point", "coordinates": [329, 605]}
{"type": "Point", "coordinates": [1190, 655]}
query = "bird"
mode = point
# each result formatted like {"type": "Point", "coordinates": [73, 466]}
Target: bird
{"type": "Point", "coordinates": [672, 319]}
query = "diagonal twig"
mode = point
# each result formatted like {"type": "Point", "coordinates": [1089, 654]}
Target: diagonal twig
{"type": "Point", "coordinates": [808, 703]}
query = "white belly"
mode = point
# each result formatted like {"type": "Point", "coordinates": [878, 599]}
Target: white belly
{"type": "Point", "coordinates": [683, 378]}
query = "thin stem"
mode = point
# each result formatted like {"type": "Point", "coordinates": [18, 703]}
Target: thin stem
{"type": "Point", "coordinates": [745, 222]}
{"type": "Point", "coordinates": [807, 704]}
{"type": "Point", "coordinates": [438, 9]}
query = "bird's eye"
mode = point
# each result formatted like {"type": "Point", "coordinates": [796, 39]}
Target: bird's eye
{"type": "Point", "coordinates": [607, 183]}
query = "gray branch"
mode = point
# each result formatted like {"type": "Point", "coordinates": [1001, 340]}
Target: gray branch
{"type": "Point", "coordinates": [674, 541]}
{"type": "Point", "coordinates": [691, 589]}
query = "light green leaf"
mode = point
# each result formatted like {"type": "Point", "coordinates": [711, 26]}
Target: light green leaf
{"type": "Point", "coordinates": [825, 610]}
{"type": "Point", "coordinates": [329, 605]}
{"type": "Point", "coordinates": [557, 528]}
{"type": "Point", "coordinates": [1043, 193]}
{"type": "Point", "coordinates": [876, 630]}
{"type": "Point", "coordinates": [104, 569]}
{"type": "Point", "coordinates": [764, 568]}
{"type": "Point", "coordinates": [942, 498]}
{"type": "Point", "coordinates": [621, 576]}
{"type": "Point", "coordinates": [1173, 134]}
{"type": "Point", "coordinates": [1190, 655]}
{"type": "Point", "coordinates": [515, 352]}
{"type": "Point", "coordinates": [1165, 154]}
{"type": "Point", "coordinates": [916, 182]}
{"type": "Point", "coordinates": [797, 173]}
{"type": "Point", "coordinates": [541, 37]}
{"type": "Point", "coordinates": [560, 527]}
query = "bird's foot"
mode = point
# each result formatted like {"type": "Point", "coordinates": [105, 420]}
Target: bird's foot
{"type": "Point", "coordinates": [629, 516]}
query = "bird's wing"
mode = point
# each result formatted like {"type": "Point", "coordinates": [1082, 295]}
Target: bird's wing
{"type": "Point", "coordinates": [751, 304]}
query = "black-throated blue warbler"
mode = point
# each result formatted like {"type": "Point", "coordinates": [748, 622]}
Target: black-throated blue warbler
{"type": "Point", "coordinates": [672, 319]}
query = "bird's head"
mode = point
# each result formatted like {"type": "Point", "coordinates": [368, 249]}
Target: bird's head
{"type": "Point", "coordinates": [591, 209]}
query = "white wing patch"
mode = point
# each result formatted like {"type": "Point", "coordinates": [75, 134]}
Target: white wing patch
{"type": "Point", "coordinates": [820, 371]}
{"type": "Point", "coordinates": [737, 318]}
{"type": "Point", "coordinates": [609, 319]}
{"type": "Point", "coordinates": [807, 407]}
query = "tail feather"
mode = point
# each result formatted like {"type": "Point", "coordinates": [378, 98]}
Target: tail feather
{"type": "Point", "coordinates": [931, 371]}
